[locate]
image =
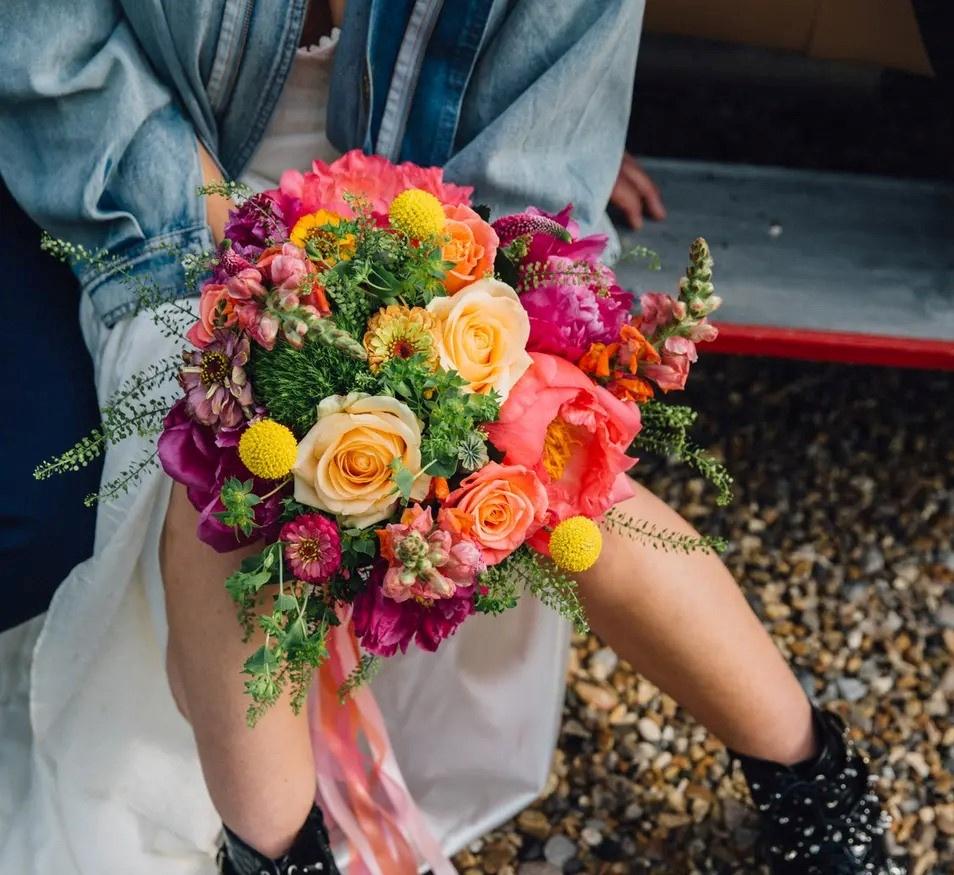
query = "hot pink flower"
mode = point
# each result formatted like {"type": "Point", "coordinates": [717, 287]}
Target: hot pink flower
{"type": "Point", "coordinates": [678, 353]}
{"type": "Point", "coordinates": [371, 177]}
{"type": "Point", "coordinates": [572, 433]}
{"type": "Point", "coordinates": [312, 547]}
{"type": "Point", "coordinates": [426, 561]}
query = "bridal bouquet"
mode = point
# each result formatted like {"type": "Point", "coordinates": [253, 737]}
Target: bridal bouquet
{"type": "Point", "coordinates": [418, 412]}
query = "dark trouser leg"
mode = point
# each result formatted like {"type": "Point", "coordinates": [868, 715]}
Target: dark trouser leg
{"type": "Point", "coordinates": [47, 402]}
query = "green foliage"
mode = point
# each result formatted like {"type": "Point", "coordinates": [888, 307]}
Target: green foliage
{"type": "Point", "coordinates": [498, 590]}
{"type": "Point", "coordinates": [539, 577]}
{"type": "Point", "coordinates": [291, 382]}
{"type": "Point", "coordinates": [296, 631]}
{"type": "Point", "coordinates": [452, 416]}
{"type": "Point", "coordinates": [364, 672]}
{"type": "Point", "coordinates": [230, 189]}
{"type": "Point", "coordinates": [665, 433]}
{"type": "Point", "coordinates": [239, 502]}
{"type": "Point", "coordinates": [642, 253]}
{"type": "Point", "coordinates": [136, 408]}
{"type": "Point", "coordinates": [664, 539]}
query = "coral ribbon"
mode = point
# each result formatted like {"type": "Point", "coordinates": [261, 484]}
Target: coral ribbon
{"type": "Point", "coordinates": [360, 786]}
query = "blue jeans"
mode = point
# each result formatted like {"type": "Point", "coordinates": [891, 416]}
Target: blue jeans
{"type": "Point", "coordinates": [47, 402]}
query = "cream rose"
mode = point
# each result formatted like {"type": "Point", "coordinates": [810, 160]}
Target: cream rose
{"type": "Point", "coordinates": [482, 334]}
{"type": "Point", "coordinates": [344, 462]}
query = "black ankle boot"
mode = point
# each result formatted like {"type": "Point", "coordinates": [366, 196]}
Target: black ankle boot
{"type": "Point", "coordinates": [309, 855]}
{"type": "Point", "coordinates": [820, 817]}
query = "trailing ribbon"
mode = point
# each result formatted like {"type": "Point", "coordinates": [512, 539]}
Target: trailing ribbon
{"type": "Point", "coordinates": [360, 786]}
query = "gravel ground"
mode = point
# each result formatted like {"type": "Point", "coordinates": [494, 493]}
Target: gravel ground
{"type": "Point", "coordinates": [843, 537]}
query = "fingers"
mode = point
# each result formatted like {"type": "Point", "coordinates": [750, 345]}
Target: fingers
{"type": "Point", "coordinates": [635, 194]}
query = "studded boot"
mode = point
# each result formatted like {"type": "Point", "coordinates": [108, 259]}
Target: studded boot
{"type": "Point", "coordinates": [310, 854]}
{"type": "Point", "coordinates": [820, 817]}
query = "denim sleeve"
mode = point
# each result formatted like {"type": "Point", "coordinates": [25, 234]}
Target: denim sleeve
{"type": "Point", "coordinates": [95, 148]}
{"type": "Point", "coordinates": [544, 118]}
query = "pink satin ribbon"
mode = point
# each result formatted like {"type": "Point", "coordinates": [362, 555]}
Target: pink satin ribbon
{"type": "Point", "coordinates": [360, 786]}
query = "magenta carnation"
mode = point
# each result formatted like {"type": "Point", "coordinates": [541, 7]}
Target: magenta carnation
{"type": "Point", "coordinates": [312, 547]}
{"type": "Point", "coordinates": [385, 626]}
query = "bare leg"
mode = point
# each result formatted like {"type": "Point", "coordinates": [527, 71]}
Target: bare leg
{"type": "Point", "coordinates": [262, 780]}
{"type": "Point", "coordinates": [682, 622]}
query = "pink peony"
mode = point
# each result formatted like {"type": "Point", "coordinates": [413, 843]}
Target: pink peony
{"type": "Point", "coordinates": [572, 433]}
{"type": "Point", "coordinates": [385, 626]}
{"type": "Point", "coordinates": [312, 547]}
{"type": "Point", "coordinates": [426, 561]}
{"type": "Point", "coordinates": [371, 177]}
{"type": "Point", "coordinates": [677, 353]}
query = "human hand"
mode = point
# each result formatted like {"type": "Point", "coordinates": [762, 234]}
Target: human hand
{"type": "Point", "coordinates": [635, 194]}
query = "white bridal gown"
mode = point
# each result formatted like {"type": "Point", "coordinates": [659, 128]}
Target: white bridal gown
{"type": "Point", "coordinates": [99, 773]}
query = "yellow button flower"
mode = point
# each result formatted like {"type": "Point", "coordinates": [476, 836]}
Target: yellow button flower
{"type": "Point", "coordinates": [268, 449]}
{"type": "Point", "coordinates": [575, 544]}
{"type": "Point", "coordinates": [417, 213]}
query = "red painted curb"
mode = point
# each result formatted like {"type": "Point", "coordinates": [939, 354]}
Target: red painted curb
{"type": "Point", "coordinates": [833, 346]}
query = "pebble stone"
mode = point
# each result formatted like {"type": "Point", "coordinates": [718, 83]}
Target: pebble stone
{"type": "Point", "coordinates": [841, 535]}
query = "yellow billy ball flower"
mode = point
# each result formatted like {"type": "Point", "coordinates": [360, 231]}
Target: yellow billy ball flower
{"type": "Point", "coordinates": [268, 449]}
{"type": "Point", "coordinates": [575, 544]}
{"type": "Point", "coordinates": [417, 213]}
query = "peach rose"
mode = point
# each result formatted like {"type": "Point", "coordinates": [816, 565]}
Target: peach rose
{"type": "Point", "coordinates": [507, 503]}
{"type": "Point", "coordinates": [215, 311]}
{"type": "Point", "coordinates": [344, 462]}
{"type": "Point", "coordinates": [471, 247]}
{"type": "Point", "coordinates": [482, 334]}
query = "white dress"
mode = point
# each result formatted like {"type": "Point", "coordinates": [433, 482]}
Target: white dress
{"type": "Point", "coordinates": [99, 773]}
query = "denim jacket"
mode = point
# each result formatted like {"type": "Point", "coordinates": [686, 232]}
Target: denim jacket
{"type": "Point", "coordinates": [102, 101]}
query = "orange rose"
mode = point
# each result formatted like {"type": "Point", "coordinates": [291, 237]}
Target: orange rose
{"type": "Point", "coordinates": [471, 247]}
{"type": "Point", "coordinates": [507, 505]}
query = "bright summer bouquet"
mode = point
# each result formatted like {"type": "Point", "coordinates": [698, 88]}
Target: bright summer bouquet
{"type": "Point", "coordinates": [419, 413]}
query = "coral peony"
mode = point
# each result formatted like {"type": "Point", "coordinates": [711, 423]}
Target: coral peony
{"type": "Point", "coordinates": [385, 626]}
{"type": "Point", "coordinates": [572, 433]}
{"type": "Point", "coordinates": [507, 503]}
{"type": "Point", "coordinates": [370, 177]}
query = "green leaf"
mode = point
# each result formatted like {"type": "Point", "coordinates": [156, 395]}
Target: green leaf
{"type": "Point", "coordinates": [262, 661]}
{"type": "Point", "coordinates": [242, 584]}
{"type": "Point", "coordinates": [403, 478]}
{"type": "Point", "coordinates": [285, 603]}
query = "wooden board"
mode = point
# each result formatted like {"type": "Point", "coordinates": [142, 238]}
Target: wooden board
{"type": "Point", "coordinates": [805, 258]}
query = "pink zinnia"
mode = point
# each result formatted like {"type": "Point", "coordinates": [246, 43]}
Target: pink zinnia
{"type": "Point", "coordinates": [312, 547]}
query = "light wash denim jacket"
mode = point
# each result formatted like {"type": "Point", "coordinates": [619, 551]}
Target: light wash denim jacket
{"type": "Point", "coordinates": [101, 102]}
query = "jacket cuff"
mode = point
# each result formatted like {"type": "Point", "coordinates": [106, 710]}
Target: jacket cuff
{"type": "Point", "coordinates": [152, 268]}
